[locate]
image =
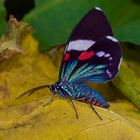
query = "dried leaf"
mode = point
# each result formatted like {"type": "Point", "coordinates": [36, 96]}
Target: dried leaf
{"type": "Point", "coordinates": [10, 43]}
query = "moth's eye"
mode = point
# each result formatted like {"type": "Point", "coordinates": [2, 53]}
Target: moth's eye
{"type": "Point", "coordinates": [53, 88]}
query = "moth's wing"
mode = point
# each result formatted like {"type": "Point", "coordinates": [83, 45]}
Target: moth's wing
{"type": "Point", "coordinates": [99, 63]}
{"type": "Point", "coordinates": [93, 26]}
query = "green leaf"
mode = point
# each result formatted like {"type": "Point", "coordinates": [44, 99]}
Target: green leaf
{"type": "Point", "coordinates": [2, 18]}
{"type": "Point", "coordinates": [53, 20]}
{"type": "Point", "coordinates": [128, 83]}
{"type": "Point", "coordinates": [129, 32]}
{"type": "Point", "coordinates": [128, 80]}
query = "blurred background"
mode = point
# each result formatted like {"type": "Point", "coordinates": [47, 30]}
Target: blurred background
{"type": "Point", "coordinates": [44, 15]}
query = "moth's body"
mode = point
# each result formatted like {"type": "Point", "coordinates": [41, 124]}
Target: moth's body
{"type": "Point", "coordinates": [79, 92]}
{"type": "Point", "coordinates": [92, 54]}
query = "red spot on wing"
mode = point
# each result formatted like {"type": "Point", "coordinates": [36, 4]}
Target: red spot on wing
{"type": "Point", "coordinates": [86, 55]}
{"type": "Point", "coordinates": [97, 104]}
{"type": "Point", "coordinates": [67, 56]}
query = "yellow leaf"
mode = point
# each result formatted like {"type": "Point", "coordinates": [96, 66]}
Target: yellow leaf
{"type": "Point", "coordinates": [26, 118]}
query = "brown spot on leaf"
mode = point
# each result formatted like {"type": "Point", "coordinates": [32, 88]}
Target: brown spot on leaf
{"type": "Point", "coordinates": [26, 109]}
{"type": "Point", "coordinates": [4, 90]}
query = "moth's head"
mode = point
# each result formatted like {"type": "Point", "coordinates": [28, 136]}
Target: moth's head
{"type": "Point", "coordinates": [53, 88]}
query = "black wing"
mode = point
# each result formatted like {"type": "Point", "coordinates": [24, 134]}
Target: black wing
{"type": "Point", "coordinates": [92, 26]}
{"type": "Point", "coordinates": [91, 49]}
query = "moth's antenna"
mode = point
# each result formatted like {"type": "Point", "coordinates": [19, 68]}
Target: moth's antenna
{"type": "Point", "coordinates": [31, 91]}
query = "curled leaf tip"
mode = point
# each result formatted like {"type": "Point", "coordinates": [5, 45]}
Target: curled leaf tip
{"type": "Point", "coordinates": [14, 21]}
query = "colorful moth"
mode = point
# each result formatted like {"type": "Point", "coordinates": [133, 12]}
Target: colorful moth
{"type": "Point", "coordinates": [92, 54]}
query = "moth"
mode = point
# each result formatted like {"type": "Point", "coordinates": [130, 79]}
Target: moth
{"type": "Point", "coordinates": [92, 54]}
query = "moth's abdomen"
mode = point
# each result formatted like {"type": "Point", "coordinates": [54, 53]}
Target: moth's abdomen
{"type": "Point", "coordinates": [97, 99]}
{"type": "Point", "coordinates": [87, 94]}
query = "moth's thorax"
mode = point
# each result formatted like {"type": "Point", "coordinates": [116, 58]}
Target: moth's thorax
{"type": "Point", "coordinates": [59, 87]}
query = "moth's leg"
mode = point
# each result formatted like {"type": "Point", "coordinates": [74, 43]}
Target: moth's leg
{"type": "Point", "coordinates": [90, 104]}
{"type": "Point", "coordinates": [83, 98]}
{"type": "Point", "coordinates": [74, 108]}
{"type": "Point", "coordinates": [50, 100]}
